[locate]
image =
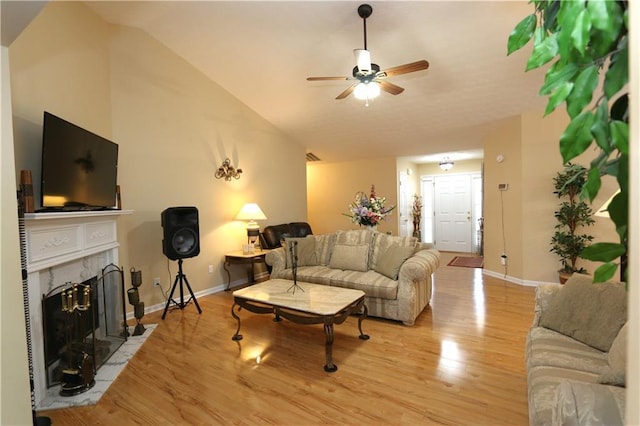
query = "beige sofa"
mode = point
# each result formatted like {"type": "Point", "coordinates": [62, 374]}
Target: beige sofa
{"type": "Point", "coordinates": [395, 273]}
{"type": "Point", "coordinates": [576, 354]}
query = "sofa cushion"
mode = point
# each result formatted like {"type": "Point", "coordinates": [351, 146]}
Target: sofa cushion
{"type": "Point", "coordinates": [383, 241]}
{"type": "Point", "coordinates": [305, 249]}
{"type": "Point", "coordinates": [352, 257]}
{"type": "Point", "coordinates": [588, 404]}
{"type": "Point", "coordinates": [546, 347]}
{"type": "Point", "coordinates": [355, 236]}
{"type": "Point", "coordinates": [588, 312]}
{"type": "Point", "coordinates": [310, 274]}
{"type": "Point", "coordinates": [391, 259]}
{"type": "Point", "coordinates": [324, 248]}
{"type": "Point", "coordinates": [372, 283]}
{"type": "Point", "coordinates": [542, 384]}
{"type": "Point", "coordinates": [614, 373]}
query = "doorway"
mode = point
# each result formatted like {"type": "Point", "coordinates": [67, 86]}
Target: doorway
{"type": "Point", "coordinates": [452, 205]}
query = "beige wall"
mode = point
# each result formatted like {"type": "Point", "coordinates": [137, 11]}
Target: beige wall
{"type": "Point", "coordinates": [503, 209]}
{"type": "Point", "coordinates": [529, 145]}
{"type": "Point", "coordinates": [173, 126]}
{"type": "Point", "coordinates": [332, 187]}
{"type": "Point", "coordinates": [15, 402]}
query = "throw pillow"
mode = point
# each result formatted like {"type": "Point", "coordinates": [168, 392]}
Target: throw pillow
{"type": "Point", "coordinates": [350, 257]}
{"type": "Point", "coordinates": [305, 249]}
{"type": "Point", "coordinates": [390, 261]}
{"type": "Point", "coordinates": [383, 241]}
{"type": "Point", "coordinates": [324, 247]}
{"type": "Point", "coordinates": [614, 373]}
{"type": "Point", "coordinates": [590, 313]}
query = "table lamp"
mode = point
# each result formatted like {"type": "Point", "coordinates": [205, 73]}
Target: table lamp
{"type": "Point", "coordinates": [251, 212]}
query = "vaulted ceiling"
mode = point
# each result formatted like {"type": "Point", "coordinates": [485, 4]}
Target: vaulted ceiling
{"type": "Point", "coordinates": [262, 52]}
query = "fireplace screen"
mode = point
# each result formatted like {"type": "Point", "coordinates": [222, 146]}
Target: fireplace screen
{"type": "Point", "coordinates": [98, 331]}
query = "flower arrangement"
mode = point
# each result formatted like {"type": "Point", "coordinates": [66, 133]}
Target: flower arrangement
{"type": "Point", "coordinates": [368, 210]}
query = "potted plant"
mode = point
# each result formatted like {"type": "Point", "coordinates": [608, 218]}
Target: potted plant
{"type": "Point", "coordinates": [416, 213]}
{"type": "Point", "coordinates": [573, 214]}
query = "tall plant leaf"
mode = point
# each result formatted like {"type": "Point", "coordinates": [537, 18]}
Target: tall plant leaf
{"type": "Point", "coordinates": [617, 74]}
{"type": "Point", "coordinates": [580, 33]}
{"type": "Point", "coordinates": [558, 97]}
{"type": "Point", "coordinates": [605, 272]}
{"type": "Point", "coordinates": [582, 92]}
{"type": "Point", "coordinates": [521, 34]}
{"type": "Point", "coordinates": [543, 52]}
{"type": "Point", "coordinates": [557, 75]}
{"type": "Point", "coordinates": [603, 252]}
{"type": "Point", "coordinates": [577, 136]}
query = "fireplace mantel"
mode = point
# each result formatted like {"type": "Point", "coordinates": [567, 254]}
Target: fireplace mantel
{"type": "Point", "coordinates": [64, 247]}
{"type": "Point", "coordinates": [55, 238]}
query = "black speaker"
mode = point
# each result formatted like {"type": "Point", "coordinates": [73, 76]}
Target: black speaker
{"type": "Point", "coordinates": [181, 237]}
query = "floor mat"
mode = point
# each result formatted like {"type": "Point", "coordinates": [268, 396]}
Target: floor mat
{"type": "Point", "coordinates": [467, 261]}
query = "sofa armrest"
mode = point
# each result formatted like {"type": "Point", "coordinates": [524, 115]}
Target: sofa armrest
{"type": "Point", "coordinates": [419, 266]}
{"type": "Point", "coordinates": [277, 259]}
{"type": "Point", "coordinates": [544, 293]}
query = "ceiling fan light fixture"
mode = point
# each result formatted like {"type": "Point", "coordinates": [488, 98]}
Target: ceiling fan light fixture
{"type": "Point", "coordinates": [366, 91]}
{"type": "Point", "coordinates": [363, 59]}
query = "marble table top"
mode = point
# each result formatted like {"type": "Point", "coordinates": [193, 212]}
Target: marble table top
{"type": "Point", "coordinates": [315, 299]}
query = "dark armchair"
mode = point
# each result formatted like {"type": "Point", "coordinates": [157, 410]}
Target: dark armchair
{"type": "Point", "coordinates": [273, 235]}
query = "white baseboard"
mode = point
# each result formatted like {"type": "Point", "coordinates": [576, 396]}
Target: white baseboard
{"type": "Point", "coordinates": [514, 280]}
{"type": "Point", "coordinates": [201, 293]}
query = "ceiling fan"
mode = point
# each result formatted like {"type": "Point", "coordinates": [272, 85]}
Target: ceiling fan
{"type": "Point", "coordinates": [370, 80]}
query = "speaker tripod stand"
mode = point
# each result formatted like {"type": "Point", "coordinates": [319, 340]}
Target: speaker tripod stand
{"type": "Point", "coordinates": [182, 280]}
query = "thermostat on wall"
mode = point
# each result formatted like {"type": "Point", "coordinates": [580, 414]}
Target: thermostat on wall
{"type": "Point", "coordinates": [503, 186]}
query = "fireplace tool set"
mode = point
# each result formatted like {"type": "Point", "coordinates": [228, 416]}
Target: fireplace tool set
{"type": "Point", "coordinates": [78, 377]}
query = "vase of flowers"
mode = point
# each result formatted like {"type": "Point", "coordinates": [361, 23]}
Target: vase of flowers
{"type": "Point", "coordinates": [368, 210]}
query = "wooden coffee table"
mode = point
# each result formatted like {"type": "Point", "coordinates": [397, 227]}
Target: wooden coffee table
{"type": "Point", "coordinates": [305, 304]}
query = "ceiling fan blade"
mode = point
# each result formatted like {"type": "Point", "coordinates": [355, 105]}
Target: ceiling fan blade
{"type": "Point", "coordinates": [346, 92]}
{"type": "Point", "coordinates": [326, 78]}
{"type": "Point", "coordinates": [407, 68]}
{"type": "Point", "coordinates": [390, 87]}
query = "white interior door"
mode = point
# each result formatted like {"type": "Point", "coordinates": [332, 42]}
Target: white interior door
{"type": "Point", "coordinates": [453, 209]}
{"type": "Point", "coordinates": [403, 207]}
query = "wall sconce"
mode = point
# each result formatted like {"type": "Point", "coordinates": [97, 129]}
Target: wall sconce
{"type": "Point", "coordinates": [446, 164]}
{"type": "Point", "coordinates": [251, 212]}
{"type": "Point", "coordinates": [227, 171]}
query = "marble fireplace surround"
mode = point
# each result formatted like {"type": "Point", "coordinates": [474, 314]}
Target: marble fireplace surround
{"type": "Point", "coordinates": [63, 247]}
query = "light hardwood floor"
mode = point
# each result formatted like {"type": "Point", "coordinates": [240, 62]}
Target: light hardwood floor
{"type": "Point", "coordinates": [461, 364]}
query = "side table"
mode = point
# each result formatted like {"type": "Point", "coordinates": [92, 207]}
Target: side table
{"type": "Point", "coordinates": [240, 258]}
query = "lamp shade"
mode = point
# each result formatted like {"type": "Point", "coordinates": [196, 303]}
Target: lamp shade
{"type": "Point", "coordinates": [251, 212]}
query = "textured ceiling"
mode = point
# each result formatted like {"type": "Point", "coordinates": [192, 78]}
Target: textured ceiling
{"type": "Point", "coordinates": [262, 52]}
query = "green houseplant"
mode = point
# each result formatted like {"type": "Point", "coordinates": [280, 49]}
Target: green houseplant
{"type": "Point", "coordinates": [586, 43]}
{"type": "Point", "coordinates": [572, 215]}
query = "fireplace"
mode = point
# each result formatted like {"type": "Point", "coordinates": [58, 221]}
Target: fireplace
{"type": "Point", "coordinates": [72, 247]}
{"type": "Point", "coordinates": [100, 327]}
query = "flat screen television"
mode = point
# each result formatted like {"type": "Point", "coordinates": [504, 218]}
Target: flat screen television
{"type": "Point", "coordinates": [79, 168]}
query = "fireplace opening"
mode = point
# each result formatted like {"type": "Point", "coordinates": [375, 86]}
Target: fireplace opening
{"type": "Point", "coordinates": [98, 331]}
